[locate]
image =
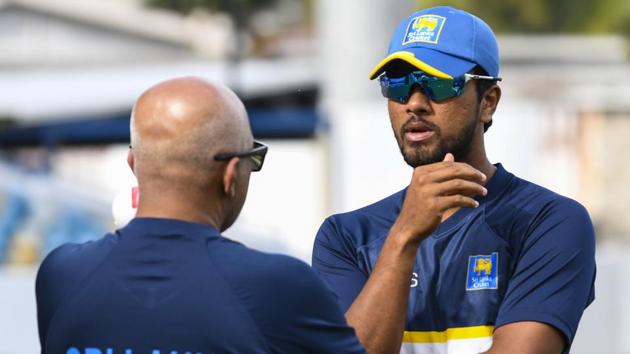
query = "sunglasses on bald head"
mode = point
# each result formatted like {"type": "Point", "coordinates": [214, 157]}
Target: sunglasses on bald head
{"type": "Point", "coordinates": [256, 155]}
{"type": "Point", "coordinates": [437, 89]}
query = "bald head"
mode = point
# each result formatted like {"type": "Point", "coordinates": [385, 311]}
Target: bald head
{"type": "Point", "coordinates": [180, 124]}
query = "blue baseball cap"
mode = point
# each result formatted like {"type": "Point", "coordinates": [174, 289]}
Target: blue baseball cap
{"type": "Point", "coordinates": [444, 42]}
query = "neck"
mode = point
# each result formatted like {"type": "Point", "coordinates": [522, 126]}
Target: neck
{"type": "Point", "coordinates": [178, 206]}
{"type": "Point", "coordinates": [478, 159]}
{"type": "Point", "coordinates": [481, 163]}
{"type": "Point", "coordinates": [476, 156]}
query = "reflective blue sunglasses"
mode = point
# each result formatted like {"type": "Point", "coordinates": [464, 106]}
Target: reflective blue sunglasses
{"type": "Point", "coordinates": [437, 89]}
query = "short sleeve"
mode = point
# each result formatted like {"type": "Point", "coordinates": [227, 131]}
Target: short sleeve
{"type": "Point", "coordinates": [553, 280]}
{"type": "Point", "coordinates": [302, 315]}
{"type": "Point", "coordinates": [335, 261]}
{"type": "Point", "coordinates": [61, 272]}
{"type": "Point", "coordinates": [47, 291]}
{"type": "Point", "coordinates": [44, 306]}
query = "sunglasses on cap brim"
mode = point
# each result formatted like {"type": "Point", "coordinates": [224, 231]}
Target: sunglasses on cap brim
{"type": "Point", "coordinates": [437, 89]}
{"type": "Point", "coordinates": [256, 155]}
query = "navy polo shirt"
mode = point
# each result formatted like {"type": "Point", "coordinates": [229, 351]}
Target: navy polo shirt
{"type": "Point", "coordinates": [161, 286]}
{"type": "Point", "coordinates": [525, 254]}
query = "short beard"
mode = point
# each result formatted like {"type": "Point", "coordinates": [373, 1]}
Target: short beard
{"type": "Point", "coordinates": [458, 146]}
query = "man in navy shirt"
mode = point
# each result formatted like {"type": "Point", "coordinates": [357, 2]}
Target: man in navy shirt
{"type": "Point", "coordinates": [468, 258]}
{"type": "Point", "coordinates": [168, 282]}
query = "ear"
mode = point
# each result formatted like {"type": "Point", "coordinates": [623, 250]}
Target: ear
{"type": "Point", "coordinates": [130, 160]}
{"type": "Point", "coordinates": [489, 103]}
{"type": "Point", "coordinates": [229, 177]}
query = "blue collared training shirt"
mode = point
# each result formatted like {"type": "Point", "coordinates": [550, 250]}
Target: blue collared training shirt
{"type": "Point", "coordinates": [525, 254]}
{"type": "Point", "coordinates": [160, 286]}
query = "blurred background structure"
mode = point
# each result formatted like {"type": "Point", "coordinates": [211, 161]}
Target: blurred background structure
{"type": "Point", "coordinates": [70, 71]}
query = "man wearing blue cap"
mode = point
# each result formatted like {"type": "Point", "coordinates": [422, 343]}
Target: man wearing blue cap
{"type": "Point", "coordinates": [468, 258]}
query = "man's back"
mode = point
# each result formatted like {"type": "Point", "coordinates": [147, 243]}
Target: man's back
{"type": "Point", "coordinates": [168, 286]}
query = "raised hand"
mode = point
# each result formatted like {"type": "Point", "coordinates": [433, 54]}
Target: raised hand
{"type": "Point", "coordinates": [434, 189]}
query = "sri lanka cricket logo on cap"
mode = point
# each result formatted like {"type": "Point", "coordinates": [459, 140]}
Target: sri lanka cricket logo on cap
{"type": "Point", "coordinates": [425, 28]}
{"type": "Point", "coordinates": [482, 272]}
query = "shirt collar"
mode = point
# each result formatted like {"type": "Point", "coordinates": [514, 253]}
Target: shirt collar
{"type": "Point", "coordinates": [495, 186]}
{"type": "Point", "coordinates": [164, 226]}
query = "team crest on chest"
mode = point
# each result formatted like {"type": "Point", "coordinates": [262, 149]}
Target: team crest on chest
{"type": "Point", "coordinates": [483, 272]}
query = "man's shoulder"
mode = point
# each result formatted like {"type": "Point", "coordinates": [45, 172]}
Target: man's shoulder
{"type": "Point", "coordinates": [66, 267]}
{"type": "Point", "coordinates": [541, 203]}
{"type": "Point", "coordinates": [77, 257]}
{"type": "Point", "coordinates": [364, 223]}
{"type": "Point", "coordinates": [291, 306]}
{"type": "Point", "coordinates": [531, 198]}
{"type": "Point", "coordinates": [523, 203]}
{"type": "Point", "coordinates": [268, 283]}
{"type": "Point", "coordinates": [388, 206]}
{"type": "Point", "coordinates": [244, 265]}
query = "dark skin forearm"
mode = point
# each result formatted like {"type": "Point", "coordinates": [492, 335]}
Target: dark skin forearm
{"type": "Point", "coordinates": [378, 313]}
{"type": "Point", "coordinates": [527, 338]}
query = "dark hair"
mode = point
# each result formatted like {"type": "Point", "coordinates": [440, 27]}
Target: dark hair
{"type": "Point", "coordinates": [482, 86]}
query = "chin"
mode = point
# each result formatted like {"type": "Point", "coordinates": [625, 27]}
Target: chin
{"type": "Point", "coordinates": [415, 160]}
{"type": "Point", "coordinates": [421, 155]}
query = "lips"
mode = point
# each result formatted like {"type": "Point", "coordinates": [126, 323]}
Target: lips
{"type": "Point", "coordinates": [418, 136]}
{"type": "Point", "coordinates": [417, 131]}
